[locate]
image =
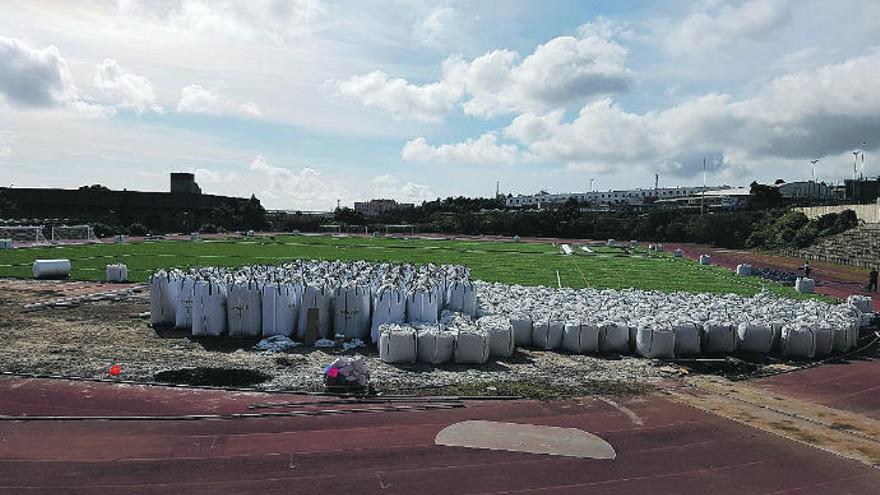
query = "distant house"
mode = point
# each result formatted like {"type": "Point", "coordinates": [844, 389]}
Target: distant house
{"type": "Point", "coordinates": [376, 207]}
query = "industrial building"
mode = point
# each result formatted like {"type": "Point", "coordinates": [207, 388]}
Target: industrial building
{"type": "Point", "coordinates": [376, 207]}
{"type": "Point", "coordinates": [624, 197]}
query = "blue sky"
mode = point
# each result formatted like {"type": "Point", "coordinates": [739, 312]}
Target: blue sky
{"type": "Point", "coordinates": [306, 102]}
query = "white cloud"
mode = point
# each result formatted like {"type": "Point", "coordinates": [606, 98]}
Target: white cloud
{"type": "Point", "coordinates": [483, 150]}
{"type": "Point", "coordinates": [34, 77]}
{"type": "Point", "coordinates": [563, 71]}
{"type": "Point", "coordinates": [123, 89]}
{"type": "Point", "coordinates": [726, 24]}
{"type": "Point", "coordinates": [208, 176]}
{"type": "Point", "coordinates": [209, 99]}
{"type": "Point", "coordinates": [388, 186]}
{"type": "Point", "coordinates": [307, 189]}
{"type": "Point", "coordinates": [435, 26]}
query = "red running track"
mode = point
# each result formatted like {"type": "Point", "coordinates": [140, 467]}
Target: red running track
{"type": "Point", "coordinates": [662, 446]}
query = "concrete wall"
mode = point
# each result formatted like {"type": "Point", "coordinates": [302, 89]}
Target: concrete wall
{"type": "Point", "coordinates": [869, 213]}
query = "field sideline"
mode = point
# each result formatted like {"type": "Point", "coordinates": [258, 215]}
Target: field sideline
{"type": "Point", "coordinates": [492, 261]}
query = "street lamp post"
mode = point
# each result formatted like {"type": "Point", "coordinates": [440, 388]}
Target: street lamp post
{"type": "Point", "coordinates": [813, 179]}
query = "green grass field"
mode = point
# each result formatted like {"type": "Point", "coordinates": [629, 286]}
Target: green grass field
{"type": "Point", "coordinates": [520, 263]}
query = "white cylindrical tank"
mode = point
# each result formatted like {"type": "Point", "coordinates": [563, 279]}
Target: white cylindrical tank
{"type": "Point", "coordinates": [51, 268]}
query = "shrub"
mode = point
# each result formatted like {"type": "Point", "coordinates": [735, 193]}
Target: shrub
{"type": "Point", "coordinates": [138, 230]}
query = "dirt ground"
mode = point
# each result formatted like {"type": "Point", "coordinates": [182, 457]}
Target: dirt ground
{"type": "Point", "coordinates": [85, 339]}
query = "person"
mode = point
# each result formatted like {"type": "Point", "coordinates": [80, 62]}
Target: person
{"type": "Point", "coordinates": [807, 269]}
{"type": "Point", "coordinates": [872, 280]}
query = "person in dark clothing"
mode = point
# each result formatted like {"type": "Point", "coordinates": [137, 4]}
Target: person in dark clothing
{"type": "Point", "coordinates": [872, 280]}
{"type": "Point", "coordinates": [807, 269]}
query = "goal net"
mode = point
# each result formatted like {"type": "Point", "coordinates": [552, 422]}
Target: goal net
{"type": "Point", "coordinates": [356, 229]}
{"type": "Point", "coordinates": [23, 233]}
{"type": "Point", "coordinates": [80, 233]}
{"type": "Point", "coordinates": [331, 229]}
{"type": "Point", "coordinates": [400, 229]}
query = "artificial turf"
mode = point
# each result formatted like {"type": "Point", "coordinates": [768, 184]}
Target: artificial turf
{"type": "Point", "coordinates": [492, 261]}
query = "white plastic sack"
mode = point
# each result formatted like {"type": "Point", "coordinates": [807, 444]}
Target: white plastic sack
{"type": "Point", "coordinates": [755, 337]}
{"type": "Point", "coordinates": [824, 339]}
{"type": "Point", "coordinates": [705, 259]}
{"type": "Point", "coordinates": [209, 309]}
{"type": "Point", "coordinates": [183, 311]}
{"type": "Point", "coordinates": [435, 347]}
{"type": "Point", "coordinates": [614, 338]}
{"type": "Point", "coordinates": [744, 270]}
{"type": "Point", "coordinates": [805, 285]}
{"type": "Point", "coordinates": [547, 334]}
{"type": "Point", "coordinates": [500, 334]}
{"type": "Point", "coordinates": [281, 304]}
{"type": "Point", "coordinates": [244, 313]}
{"type": "Point", "coordinates": [798, 341]}
{"type": "Point", "coordinates": [471, 347]}
{"type": "Point", "coordinates": [315, 298]}
{"type": "Point", "coordinates": [422, 305]}
{"type": "Point", "coordinates": [351, 312]}
{"type": "Point", "coordinates": [389, 306]}
{"type": "Point", "coordinates": [718, 338]}
{"type": "Point", "coordinates": [462, 297]}
{"type": "Point", "coordinates": [687, 339]}
{"type": "Point", "coordinates": [655, 342]}
{"type": "Point", "coordinates": [163, 299]}
{"type": "Point", "coordinates": [843, 336]}
{"type": "Point", "coordinates": [117, 273]}
{"type": "Point", "coordinates": [397, 343]}
{"type": "Point", "coordinates": [522, 329]}
{"type": "Point", "coordinates": [864, 304]}
{"type": "Point", "coordinates": [580, 338]}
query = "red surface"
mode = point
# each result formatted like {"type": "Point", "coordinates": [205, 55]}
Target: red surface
{"type": "Point", "coordinates": [675, 449]}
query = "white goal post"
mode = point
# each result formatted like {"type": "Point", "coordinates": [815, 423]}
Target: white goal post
{"type": "Point", "coordinates": [331, 229]}
{"type": "Point", "coordinates": [400, 229]}
{"type": "Point", "coordinates": [25, 233]}
{"type": "Point", "coordinates": [73, 233]}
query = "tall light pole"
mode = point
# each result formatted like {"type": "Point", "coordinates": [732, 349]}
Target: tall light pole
{"type": "Point", "coordinates": [703, 194]}
{"type": "Point", "coordinates": [813, 178]}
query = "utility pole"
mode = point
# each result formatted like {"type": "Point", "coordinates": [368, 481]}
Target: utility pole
{"type": "Point", "coordinates": [703, 194]}
{"type": "Point", "coordinates": [497, 189]}
{"type": "Point", "coordinates": [337, 203]}
{"type": "Point", "coordinates": [813, 180]}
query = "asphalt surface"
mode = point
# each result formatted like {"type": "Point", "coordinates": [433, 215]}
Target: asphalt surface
{"type": "Point", "coordinates": [662, 447]}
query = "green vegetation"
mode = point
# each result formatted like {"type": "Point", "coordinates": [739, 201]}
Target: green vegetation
{"type": "Point", "coordinates": [508, 262]}
{"type": "Point", "coordinates": [794, 230]}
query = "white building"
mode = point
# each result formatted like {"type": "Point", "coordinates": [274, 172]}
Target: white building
{"type": "Point", "coordinates": [626, 197]}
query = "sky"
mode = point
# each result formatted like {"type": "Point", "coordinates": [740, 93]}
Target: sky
{"type": "Point", "coordinates": [308, 102]}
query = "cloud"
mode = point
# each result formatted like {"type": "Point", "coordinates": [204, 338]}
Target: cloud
{"type": "Point", "coordinates": [125, 90]}
{"type": "Point", "coordinates": [483, 150]}
{"type": "Point", "coordinates": [210, 100]}
{"type": "Point", "coordinates": [207, 176]}
{"type": "Point", "coordinates": [307, 189]}
{"type": "Point", "coordinates": [714, 28]}
{"type": "Point", "coordinates": [563, 71]}
{"type": "Point", "coordinates": [388, 186]}
{"type": "Point", "coordinates": [434, 26]}
{"type": "Point", "coordinates": [34, 77]}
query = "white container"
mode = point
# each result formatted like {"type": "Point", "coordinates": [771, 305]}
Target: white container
{"type": "Point", "coordinates": [718, 338]}
{"type": "Point", "coordinates": [397, 343]}
{"type": "Point", "coordinates": [435, 347]}
{"type": "Point", "coordinates": [51, 268]}
{"type": "Point", "coordinates": [184, 303]}
{"type": "Point", "coordinates": [244, 312]}
{"type": "Point", "coordinates": [462, 297]}
{"type": "Point", "coordinates": [209, 309]}
{"type": "Point", "coordinates": [614, 338]}
{"type": "Point", "coordinates": [705, 259]}
{"type": "Point", "coordinates": [281, 303]}
{"type": "Point", "coordinates": [351, 312]}
{"type": "Point", "coordinates": [500, 334]}
{"type": "Point", "coordinates": [547, 334]}
{"type": "Point", "coordinates": [471, 347]}
{"type": "Point", "coordinates": [805, 285]}
{"type": "Point", "coordinates": [5, 244]}
{"type": "Point", "coordinates": [163, 299]}
{"type": "Point", "coordinates": [580, 338]}
{"type": "Point", "coordinates": [754, 337]}
{"type": "Point", "coordinates": [422, 305]}
{"type": "Point", "coordinates": [117, 273]}
{"type": "Point", "coordinates": [655, 342]}
{"type": "Point", "coordinates": [798, 341]}
{"type": "Point", "coordinates": [744, 270]}
{"type": "Point", "coordinates": [195, 236]}
{"type": "Point", "coordinates": [687, 339]}
{"type": "Point", "coordinates": [318, 298]}
{"type": "Point", "coordinates": [389, 306]}
{"type": "Point", "coordinates": [522, 329]}
{"type": "Point", "coordinates": [824, 339]}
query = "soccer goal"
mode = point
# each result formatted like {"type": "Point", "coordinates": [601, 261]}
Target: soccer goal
{"type": "Point", "coordinates": [24, 233]}
{"type": "Point", "coordinates": [331, 229]}
{"type": "Point", "coordinates": [75, 233]}
{"type": "Point", "coordinates": [356, 229]}
{"type": "Point", "coordinates": [400, 229]}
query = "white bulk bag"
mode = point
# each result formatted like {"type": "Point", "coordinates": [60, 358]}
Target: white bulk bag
{"type": "Point", "coordinates": [462, 297]}
{"type": "Point", "coordinates": [580, 338]}
{"type": "Point", "coordinates": [471, 347]}
{"type": "Point", "coordinates": [805, 285]}
{"type": "Point", "coordinates": [163, 299]}
{"type": "Point", "coordinates": [678, 253]}
{"type": "Point", "coordinates": [209, 309]}
{"type": "Point", "coordinates": [614, 337]}
{"type": "Point", "coordinates": [389, 306]}
{"type": "Point", "coordinates": [315, 298]}
{"type": "Point", "coordinates": [522, 329]}
{"type": "Point", "coordinates": [843, 336]}
{"type": "Point", "coordinates": [687, 338]}
{"type": "Point", "coordinates": [397, 343]}
{"type": "Point", "coordinates": [117, 273]}
{"type": "Point", "coordinates": [422, 305]}
{"type": "Point", "coordinates": [281, 304]}
{"type": "Point", "coordinates": [744, 270]}
{"type": "Point", "coordinates": [183, 311]}
{"type": "Point", "coordinates": [5, 244]}
{"type": "Point", "coordinates": [51, 268]}
{"type": "Point", "coordinates": [798, 341]}
{"type": "Point", "coordinates": [547, 334]}
{"type": "Point", "coordinates": [244, 310]}
{"type": "Point", "coordinates": [718, 338]}
{"type": "Point", "coordinates": [655, 342]}
{"type": "Point", "coordinates": [754, 337]}
{"type": "Point", "coordinates": [500, 334]}
{"type": "Point", "coordinates": [863, 303]}
{"type": "Point", "coordinates": [705, 259]}
{"type": "Point", "coordinates": [824, 339]}
{"type": "Point", "coordinates": [435, 347]}
{"type": "Point", "coordinates": [351, 312]}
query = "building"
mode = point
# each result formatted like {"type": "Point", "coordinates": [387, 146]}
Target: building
{"type": "Point", "coordinates": [807, 190]}
{"type": "Point", "coordinates": [184, 183]}
{"type": "Point", "coordinates": [376, 207]}
{"type": "Point", "coordinates": [730, 198]}
{"type": "Point", "coordinates": [623, 197]}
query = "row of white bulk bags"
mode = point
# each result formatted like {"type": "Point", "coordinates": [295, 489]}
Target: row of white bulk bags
{"type": "Point", "coordinates": [351, 312]}
{"type": "Point", "coordinates": [163, 298]}
{"type": "Point", "coordinates": [244, 312]}
{"type": "Point", "coordinates": [500, 334]}
{"type": "Point", "coordinates": [117, 272]}
{"type": "Point", "coordinates": [580, 337]}
{"type": "Point", "coordinates": [522, 329]}
{"type": "Point", "coordinates": [471, 346]}
{"type": "Point", "coordinates": [320, 298]}
{"type": "Point", "coordinates": [389, 306]}
{"type": "Point", "coordinates": [397, 343]}
{"type": "Point", "coordinates": [718, 338]}
{"type": "Point", "coordinates": [547, 334]}
{"type": "Point", "coordinates": [462, 297]}
{"type": "Point", "coordinates": [755, 337]}
{"type": "Point", "coordinates": [281, 303]}
{"type": "Point", "coordinates": [209, 309]}
{"type": "Point", "coordinates": [687, 338]}
{"type": "Point", "coordinates": [183, 312]}
{"type": "Point", "coordinates": [422, 305]}
{"type": "Point", "coordinates": [435, 346]}
{"type": "Point", "coordinates": [614, 338]}
{"type": "Point", "coordinates": [655, 341]}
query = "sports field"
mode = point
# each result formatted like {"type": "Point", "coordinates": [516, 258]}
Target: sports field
{"type": "Point", "coordinates": [508, 262]}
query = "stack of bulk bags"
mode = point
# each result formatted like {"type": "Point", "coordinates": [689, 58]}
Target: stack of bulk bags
{"type": "Point", "coordinates": [389, 306]}
{"type": "Point", "coordinates": [864, 304]}
{"type": "Point", "coordinates": [462, 297]}
{"type": "Point", "coordinates": [744, 270]}
{"type": "Point", "coordinates": [522, 329]}
{"type": "Point", "coordinates": [5, 244]}
{"type": "Point", "coordinates": [705, 259]}
{"type": "Point", "coordinates": [422, 305]}
{"type": "Point", "coordinates": [500, 334]}
{"type": "Point", "coordinates": [244, 313]}
{"type": "Point", "coordinates": [718, 338]}
{"type": "Point", "coordinates": [754, 337]}
{"type": "Point", "coordinates": [798, 340]}
{"type": "Point", "coordinates": [163, 298]}
{"type": "Point", "coordinates": [824, 334]}
{"type": "Point", "coordinates": [471, 346]}
{"type": "Point", "coordinates": [209, 309]}
{"type": "Point", "coordinates": [613, 337]}
{"type": "Point", "coordinates": [320, 298]}
{"type": "Point", "coordinates": [351, 312]}
{"type": "Point", "coordinates": [655, 341]}
{"type": "Point", "coordinates": [117, 273]}
{"type": "Point", "coordinates": [397, 343]}
{"type": "Point", "coordinates": [281, 302]}
{"type": "Point", "coordinates": [846, 336]}
{"type": "Point", "coordinates": [434, 346]}
{"type": "Point", "coordinates": [183, 313]}
{"type": "Point", "coordinates": [687, 338]}
{"type": "Point", "coordinates": [805, 285]}
{"type": "Point", "coordinates": [547, 333]}
{"type": "Point", "coordinates": [580, 338]}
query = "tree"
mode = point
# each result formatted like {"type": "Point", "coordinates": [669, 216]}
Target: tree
{"type": "Point", "coordinates": [346, 215]}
